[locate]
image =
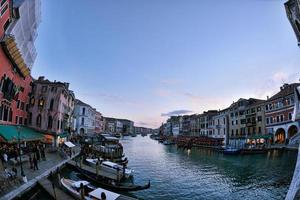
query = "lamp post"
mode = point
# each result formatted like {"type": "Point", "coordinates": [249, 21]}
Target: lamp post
{"type": "Point", "coordinates": [20, 158]}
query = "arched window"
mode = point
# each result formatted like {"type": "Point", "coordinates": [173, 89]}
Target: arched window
{"type": "Point", "coordinates": [51, 104]}
{"type": "Point", "coordinates": [39, 120]}
{"type": "Point", "coordinates": [30, 118]}
{"type": "Point", "coordinates": [50, 122]}
{"type": "Point", "coordinates": [41, 102]}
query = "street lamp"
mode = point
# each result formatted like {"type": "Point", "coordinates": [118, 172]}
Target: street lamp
{"type": "Point", "coordinates": [20, 158]}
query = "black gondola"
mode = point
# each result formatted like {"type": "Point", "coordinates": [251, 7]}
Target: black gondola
{"type": "Point", "coordinates": [108, 183]}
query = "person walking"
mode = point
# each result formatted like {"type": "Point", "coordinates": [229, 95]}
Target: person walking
{"type": "Point", "coordinates": [30, 161]}
{"type": "Point", "coordinates": [35, 163]}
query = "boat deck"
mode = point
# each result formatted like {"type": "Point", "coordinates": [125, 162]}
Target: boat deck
{"type": "Point", "coordinates": [93, 170]}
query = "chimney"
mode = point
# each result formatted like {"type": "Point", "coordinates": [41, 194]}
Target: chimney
{"type": "Point", "coordinates": [41, 78]}
{"type": "Point", "coordinates": [267, 97]}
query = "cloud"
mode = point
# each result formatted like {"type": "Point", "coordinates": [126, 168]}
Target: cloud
{"type": "Point", "coordinates": [176, 112]}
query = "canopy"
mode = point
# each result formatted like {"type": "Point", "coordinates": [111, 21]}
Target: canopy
{"type": "Point", "coordinates": [109, 195]}
{"type": "Point", "coordinates": [63, 135]}
{"type": "Point", "coordinates": [260, 137]}
{"type": "Point", "coordinates": [10, 133]}
{"type": "Point", "coordinates": [69, 144]}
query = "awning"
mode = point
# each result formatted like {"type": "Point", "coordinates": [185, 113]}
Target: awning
{"type": "Point", "coordinates": [260, 137]}
{"type": "Point", "coordinates": [63, 135]}
{"type": "Point", "coordinates": [10, 133]}
{"type": "Point", "coordinates": [69, 144]}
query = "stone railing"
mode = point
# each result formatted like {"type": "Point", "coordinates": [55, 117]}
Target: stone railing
{"type": "Point", "coordinates": [295, 139]}
{"type": "Point", "coordinates": [294, 189]}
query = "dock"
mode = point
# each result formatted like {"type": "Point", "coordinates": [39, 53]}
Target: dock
{"type": "Point", "coordinates": [56, 193]}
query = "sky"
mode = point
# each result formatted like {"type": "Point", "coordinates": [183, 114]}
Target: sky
{"type": "Point", "coordinates": [146, 60]}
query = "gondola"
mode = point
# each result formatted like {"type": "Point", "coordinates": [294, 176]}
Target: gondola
{"type": "Point", "coordinates": [110, 184]}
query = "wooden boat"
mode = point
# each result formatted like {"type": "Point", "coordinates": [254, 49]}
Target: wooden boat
{"type": "Point", "coordinates": [109, 183]}
{"type": "Point", "coordinates": [110, 167]}
{"type": "Point", "coordinates": [231, 151]}
{"type": "Point", "coordinates": [90, 192]}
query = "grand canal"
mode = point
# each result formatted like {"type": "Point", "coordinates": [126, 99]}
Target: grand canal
{"type": "Point", "coordinates": [205, 174]}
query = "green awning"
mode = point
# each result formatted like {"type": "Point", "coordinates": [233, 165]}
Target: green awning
{"type": "Point", "coordinates": [63, 135]}
{"type": "Point", "coordinates": [260, 137]}
{"type": "Point", "coordinates": [10, 133]}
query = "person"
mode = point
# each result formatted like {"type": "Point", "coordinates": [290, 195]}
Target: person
{"type": "Point", "coordinates": [103, 196]}
{"type": "Point", "coordinates": [35, 163]}
{"type": "Point", "coordinates": [14, 169]}
{"type": "Point", "coordinates": [30, 161]}
{"type": "Point", "coordinates": [5, 157]}
{"type": "Point", "coordinates": [43, 153]}
{"type": "Point", "coordinates": [37, 153]}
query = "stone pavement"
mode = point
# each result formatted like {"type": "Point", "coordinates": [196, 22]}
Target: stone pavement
{"type": "Point", "coordinates": [53, 160]}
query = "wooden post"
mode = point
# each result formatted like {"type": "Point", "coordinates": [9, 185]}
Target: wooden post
{"type": "Point", "coordinates": [81, 191]}
{"type": "Point", "coordinates": [81, 160]}
{"type": "Point", "coordinates": [97, 168]}
{"type": "Point", "coordinates": [58, 177]}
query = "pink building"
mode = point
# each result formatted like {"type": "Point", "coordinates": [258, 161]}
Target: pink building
{"type": "Point", "coordinates": [51, 109]}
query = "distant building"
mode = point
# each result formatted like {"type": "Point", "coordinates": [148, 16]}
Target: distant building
{"type": "Point", "coordinates": [99, 123]}
{"type": "Point", "coordinates": [85, 118]}
{"type": "Point", "coordinates": [142, 130]}
{"type": "Point", "coordinates": [292, 8]}
{"type": "Point", "coordinates": [279, 111]}
{"type": "Point", "coordinates": [119, 126]}
{"type": "Point", "coordinates": [238, 121]}
{"type": "Point", "coordinates": [220, 125]}
{"type": "Point", "coordinates": [51, 108]}
{"type": "Point", "coordinates": [206, 122]}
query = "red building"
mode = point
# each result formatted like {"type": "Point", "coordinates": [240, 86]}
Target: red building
{"type": "Point", "coordinates": [15, 79]}
{"type": "Point", "coordinates": [279, 111]}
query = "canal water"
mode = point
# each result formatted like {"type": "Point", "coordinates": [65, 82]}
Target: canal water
{"type": "Point", "coordinates": [206, 174]}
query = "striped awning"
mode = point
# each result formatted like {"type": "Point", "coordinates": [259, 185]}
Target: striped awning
{"type": "Point", "coordinates": [14, 54]}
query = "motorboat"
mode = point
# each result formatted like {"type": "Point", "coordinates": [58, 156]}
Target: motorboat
{"type": "Point", "coordinates": [231, 151]}
{"type": "Point", "coordinates": [89, 192]}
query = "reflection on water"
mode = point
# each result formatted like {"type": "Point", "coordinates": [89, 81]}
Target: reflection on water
{"type": "Point", "coordinates": [205, 174]}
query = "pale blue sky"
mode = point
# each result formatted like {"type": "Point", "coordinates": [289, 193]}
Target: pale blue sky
{"type": "Point", "coordinates": [142, 59]}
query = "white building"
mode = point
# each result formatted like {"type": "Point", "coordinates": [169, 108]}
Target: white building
{"type": "Point", "coordinates": [85, 118]}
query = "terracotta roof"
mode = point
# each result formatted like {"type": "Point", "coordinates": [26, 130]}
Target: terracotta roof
{"type": "Point", "coordinates": [285, 90]}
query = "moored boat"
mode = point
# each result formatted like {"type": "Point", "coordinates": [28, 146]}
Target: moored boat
{"type": "Point", "coordinates": [231, 151]}
{"type": "Point", "coordinates": [89, 192]}
{"type": "Point", "coordinates": [109, 183]}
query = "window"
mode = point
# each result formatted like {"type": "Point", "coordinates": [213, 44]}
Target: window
{"type": "Point", "coordinates": [58, 124]}
{"type": "Point", "coordinates": [259, 130]}
{"type": "Point", "coordinates": [50, 122]}
{"type": "Point", "coordinates": [5, 114]}
{"type": "Point", "coordinates": [21, 120]}
{"type": "Point", "coordinates": [44, 89]}
{"type": "Point", "coordinates": [281, 118]}
{"type": "Point", "coordinates": [41, 102]}
{"type": "Point", "coordinates": [271, 120]}
{"type": "Point", "coordinates": [1, 111]}
{"type": "Point", "coordinates": [5, 26]}
{"type": "Point", "coordinates": [22, 106]}
{"type": "Point", "coordinates": [258, 109]}
{"type": "Point", "coordinates": [30, 118]}
{"type": "Point", "coordinates": [259, 118]}
{"type": "Point", "coordinates": [25, 121]}
{"type": "Point", "coordinates": [32, 101]}
{"type": "Point", "coordinates": [4, 9]}
{"type": "Point", "coordinates": [18, 104]}
{"type": "Point", "coordinates": [243, 121]}
{"type": "Point", "coordinates": [290, 116]}
{"type": "Point", "coordinates": [83, 111]}
{"type": "Point", "coordinates": [3, 2]}
{"type": "Point", "coordinates": [10, 115]}
{"type": "Point", "coordinates": [39, 120]}
{"type": "Point", "coordinates": [277, 118]}
{"type": "Point", "coordinates": [82, 121]}
{"type": "Point", "coordinates": [51, 104]}
{"type": "Point", "coordinates": [17, 119]}
{"type": "Point", "coordinates": [236, 122]}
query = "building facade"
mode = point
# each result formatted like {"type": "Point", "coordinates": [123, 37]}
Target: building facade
{"type": "Point", "coordinates": [99, 122]}
{"type": "Point", "coordinates": [17, 46]}
{"type": "Point", "coordinates": [279, 111]}
{"type": "Point", "coordinates": [51, 108]}
{"type": "Point", "coordinates": [119, 126]}
{"type": "Point", "coordinates": [220, 125]}
{"type": "Point", "coordinates": [85, 118]}
{"type": "Point", "coordinates": [292, 8]}
{"type": "Point", "coordinates": [206, 123]}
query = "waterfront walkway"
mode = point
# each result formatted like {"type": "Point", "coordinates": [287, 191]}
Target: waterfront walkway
{"type": "Point", "coordinates": [53, 161]}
